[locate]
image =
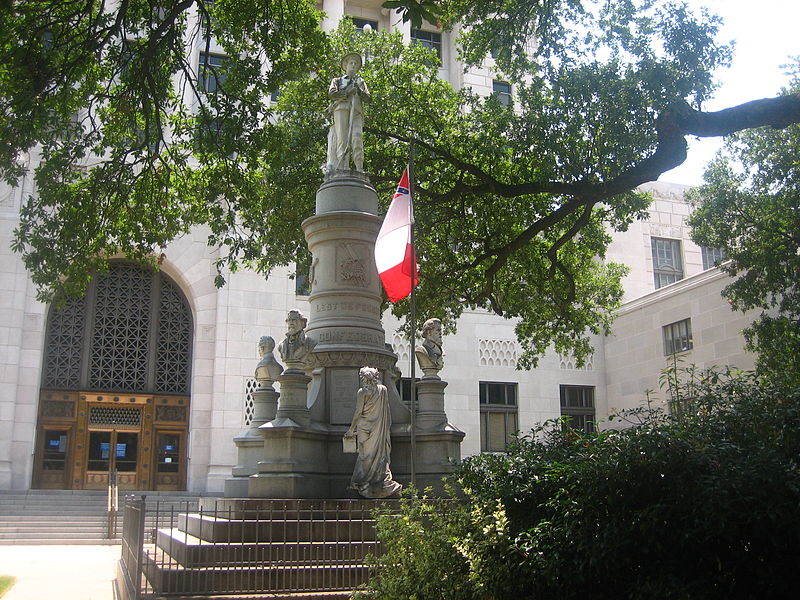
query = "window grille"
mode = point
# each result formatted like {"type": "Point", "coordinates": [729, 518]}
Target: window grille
{"type": "Point", "coordinates": [667, 263]}
{"type": "Point", "coordinates": [497, 353]}
{"type": "Point", "coordinates": [65, 328]}
{"type": "Point", "coordinates": [115, 415]}
{"type": "Point", "coordinates": [567, 362]}
{"type": "Point", "coordinates": [174, 341]}
{"type": "Point", "coordinates": [132, 332]}
{"type": "Point", "coordinates": [118, 352]}
{"type": "Point", "coordinates": [678, 337]}
{"type": "Point", "coordinates": [250, 386]}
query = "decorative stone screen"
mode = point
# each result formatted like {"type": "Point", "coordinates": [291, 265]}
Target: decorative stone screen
{"type": "Point", "coordinates": [498, 353]}
{"type": "Point", "coordinates": [401, 347]}
{"type": "Point", "coordinates": [131, 332]}
{"type": "Point", "coordinates": [250, 385]}
{"type": "Point", "coordinates": [568, 363]}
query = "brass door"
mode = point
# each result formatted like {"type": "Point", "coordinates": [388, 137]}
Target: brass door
{"type": "Point", "coordinates": [112, 450]}
{"type": "Point", "coordinates": [83, 436]}
{"type": "Point", "coordinates": [52, 466]}
{"type": "Point", "coordinates": [170, 464]}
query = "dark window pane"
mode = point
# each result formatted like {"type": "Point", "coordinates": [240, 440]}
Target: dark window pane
{"type": "Point", "coordinates": [429, 39]}
{"type": "Point", "coordinates": [667, 263]}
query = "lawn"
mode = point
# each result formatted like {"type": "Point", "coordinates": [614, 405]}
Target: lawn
{"type": "Point", "coordinates": [6, 581]}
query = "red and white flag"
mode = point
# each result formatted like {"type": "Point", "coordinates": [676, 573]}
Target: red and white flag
{"type": "Point", "coordinates": [394, 254]}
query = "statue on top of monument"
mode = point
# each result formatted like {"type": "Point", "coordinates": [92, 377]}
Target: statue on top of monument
{"type": "Point", "coordinates": [268, 369]}
{"type": "Point", "coordinates": [371, 427]}
{"type": "Point", "coordinates": [347, 93]}
{"type": "Point", "coordinates": [430, 355]}
{"type": "Point", "coordinates": [296, 347]}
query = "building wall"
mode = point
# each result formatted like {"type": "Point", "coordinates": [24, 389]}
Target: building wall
{"type": "Point", "coordinates": [634, 354]}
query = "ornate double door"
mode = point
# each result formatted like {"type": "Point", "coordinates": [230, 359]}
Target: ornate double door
{"type": "Point", "coordinates": [83, 439]}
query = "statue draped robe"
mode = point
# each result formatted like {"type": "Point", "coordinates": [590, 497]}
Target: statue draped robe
{"type": "Point", "coordinates": [371, 476]}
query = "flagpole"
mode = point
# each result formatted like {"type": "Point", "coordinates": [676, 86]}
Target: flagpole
{"type": "Point", "coordinates": [413, 320]}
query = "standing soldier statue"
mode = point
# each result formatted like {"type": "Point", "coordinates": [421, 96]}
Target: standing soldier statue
{"type": "Point", "coordinates": [347, 93]}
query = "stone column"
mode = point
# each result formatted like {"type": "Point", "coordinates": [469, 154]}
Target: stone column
{"type": "Point", "coordinates": [334, 11]}
{"type": "Point", "coordinates": [293, 407]}
{"type": "Point", "coordinates": [430, 412]}
{"type": "Point", "coordinates": [396, 23]}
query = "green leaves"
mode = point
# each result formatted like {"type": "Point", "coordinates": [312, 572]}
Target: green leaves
{"type": "Point", "coordinates": [750, 207]}
{"type": "Point", "coordinates": [700, 503]}
{"type": "Point", "coordinates": [416, 11]}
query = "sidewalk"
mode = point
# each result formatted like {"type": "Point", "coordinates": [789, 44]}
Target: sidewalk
{"type": "Point", "coordinates": [63, 572]}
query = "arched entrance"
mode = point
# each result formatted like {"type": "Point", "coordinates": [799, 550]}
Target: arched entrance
{"type": "Point", "coordinates": [115, 385]}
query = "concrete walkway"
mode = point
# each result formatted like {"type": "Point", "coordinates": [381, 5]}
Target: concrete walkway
{"type": "Point", "coordinates": [62, 572]}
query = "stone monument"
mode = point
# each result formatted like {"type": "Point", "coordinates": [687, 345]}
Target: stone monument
{"type": "Point", "coordinates": [302, 454]}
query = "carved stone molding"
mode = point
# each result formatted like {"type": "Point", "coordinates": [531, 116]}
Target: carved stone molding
{"type": "Point", "coordinates": [355, 359]}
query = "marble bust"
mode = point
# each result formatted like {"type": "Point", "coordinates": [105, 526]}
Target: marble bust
{"type": "Point", "coordinates": [268, 369]}
{"type": "Point", "coordinates": [347, 94]}
{"type": "Point", "coordinates": [371, 427]}
{"type": "Point", "coordinates": [430, 355]}
{"type": "Point", "coordinates": [296, 346]}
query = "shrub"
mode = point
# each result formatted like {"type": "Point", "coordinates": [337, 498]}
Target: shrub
{"type": "Point", "coordinates": [703, 503]}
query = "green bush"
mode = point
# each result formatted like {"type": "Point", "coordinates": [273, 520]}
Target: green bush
{"type": "Point", "coordinates": [700, 504]}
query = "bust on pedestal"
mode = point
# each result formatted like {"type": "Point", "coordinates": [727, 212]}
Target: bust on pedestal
{"type": "Point", "coordinates": [430, 355]}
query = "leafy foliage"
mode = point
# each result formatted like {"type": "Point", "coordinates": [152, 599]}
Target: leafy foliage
{"type": "Point", "coordinates": [132, 150]}
{"type": "Point", "coordinates": [750, 207]}
{"type": "Point", "coordinates": [136, 143]}
{"type": "Point", "coordinates": [700, 503]}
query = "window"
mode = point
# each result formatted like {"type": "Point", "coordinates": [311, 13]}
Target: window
{"type": "Point", "coordinates": [502, 91]}
{"type": "Point", "coordinates": [404, 390]}
{"type": "Point", "coordinates": [667, 263]}
{"type": "Point", "coordinates": [211, 70]}
{"type": "Point", "coordinates": [302, 284]}
{"type": "Point", "coordinates": [677, 337]}
{"type": "Point", "coordinates": [429, 39]}
{"type": "Point", "coordinates": [712, 256]}
{"type": "Point", "coordinates": [577, 403]}
{"type": "Point", "coordinates": [360, 23]}
{"type": "Point", "coordinates": [498, 403]}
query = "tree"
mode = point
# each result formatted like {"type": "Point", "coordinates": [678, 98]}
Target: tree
{"type": "Point", "coordinates": [514, 205]}
{"type": "Point", "coordinates": [750, 207]}
{"type": "Point", "coordinates": [696, 504]}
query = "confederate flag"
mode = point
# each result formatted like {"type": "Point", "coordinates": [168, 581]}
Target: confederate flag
{"type": "Point", "coordinates": [393, 250]}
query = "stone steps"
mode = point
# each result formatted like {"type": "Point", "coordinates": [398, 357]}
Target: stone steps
{"type": "Point", "coordinates": [75, 516]}
{"type": "Point", "coordinates": [275, 549]}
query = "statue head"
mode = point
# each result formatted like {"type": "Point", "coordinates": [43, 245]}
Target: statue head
{"type": "Point", "coordinates": [351, 63]}
{"type": "Point", "coordinates": [295, 322]}
{"type": "Point", "coordinates": [432, 330]}
{"type": "Point", "coordinates": [369, 376]}
{"type": "Point", "coordinates": [265, 345]}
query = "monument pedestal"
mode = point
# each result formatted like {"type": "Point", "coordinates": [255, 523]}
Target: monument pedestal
{"type": "Point", "coordinates": [250, 443]}
{"type": "Point", "coordinates": [302, 445]}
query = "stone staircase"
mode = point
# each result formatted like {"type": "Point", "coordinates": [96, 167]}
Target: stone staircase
{"type": "Point", "coordinates": [72, 516]}
{"type": "Point", "coordinates": [232, 548]}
